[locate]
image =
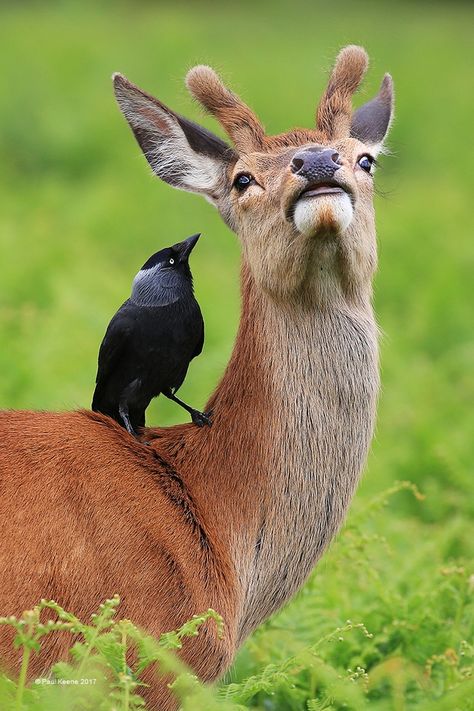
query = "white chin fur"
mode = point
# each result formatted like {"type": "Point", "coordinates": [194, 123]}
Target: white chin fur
{"type": "Point", "coordinates": [323, 213]}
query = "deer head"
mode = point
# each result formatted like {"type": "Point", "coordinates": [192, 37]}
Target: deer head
{"type": "Point", "coordinates": [301, 201]}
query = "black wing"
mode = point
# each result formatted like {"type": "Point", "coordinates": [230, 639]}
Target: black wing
{"type": "Point", "coordinates": [200, 343]}
{"type": "Point", "coordinates": [117, 337]}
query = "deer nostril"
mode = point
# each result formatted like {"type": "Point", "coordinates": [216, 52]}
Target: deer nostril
{"type": "Point", "coordinates": [297, 164]}
{"type": "Point", "coordinates": [335, 158]}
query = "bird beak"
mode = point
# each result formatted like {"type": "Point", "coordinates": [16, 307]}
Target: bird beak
{"type": "Point", "coordinates": [185, 248]}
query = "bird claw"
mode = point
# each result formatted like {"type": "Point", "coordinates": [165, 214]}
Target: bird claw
{"type": "Point", "coordinates": [201, 419]}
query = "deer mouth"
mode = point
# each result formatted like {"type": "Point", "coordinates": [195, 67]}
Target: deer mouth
{"type": "Point", "coordinates": [321, 189]}
{"type": "Point", "coordinates": [314, 190]}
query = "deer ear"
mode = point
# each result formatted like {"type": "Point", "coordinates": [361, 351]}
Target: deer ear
{"type": "Point", "coordinates": [371, 122]}
{"type": "Point", "coordinates": [180, 152]}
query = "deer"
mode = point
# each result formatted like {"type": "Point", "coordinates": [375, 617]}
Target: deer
{"type": "Point", "coordinates": [232, 517]}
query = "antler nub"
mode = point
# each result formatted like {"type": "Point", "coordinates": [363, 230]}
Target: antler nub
{"type": "Point", "coordinates": [334, 111]}
{"type": "Point", "coordinates": [237, 118]}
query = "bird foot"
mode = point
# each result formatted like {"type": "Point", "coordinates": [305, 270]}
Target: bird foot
{"type": "Point", "coordinates": [201, 419]}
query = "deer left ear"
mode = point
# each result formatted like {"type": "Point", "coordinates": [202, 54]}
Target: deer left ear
{"type": "Point", "coordinates": [371, 122]}
{"type": "Point", "coordinates": [179, 151]}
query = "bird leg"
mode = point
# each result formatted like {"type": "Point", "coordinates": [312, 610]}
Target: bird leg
{"type": "Point", "coordinates": [199, 418]}
{"type": "Point", "coordinates": [124, 414]}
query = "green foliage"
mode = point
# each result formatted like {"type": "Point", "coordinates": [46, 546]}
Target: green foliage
{"type": "Point", "coordinates": [80, 213]}
{"type": "Point", "coordinates": [414, 648]}
{"type": "Point", "coordinates": [416, 651]}
{"type": "Point", "coordinates": [98, 674]}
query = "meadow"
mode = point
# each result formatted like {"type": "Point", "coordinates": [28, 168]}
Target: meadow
{"type": "Point", "coordinates": [80, 213]}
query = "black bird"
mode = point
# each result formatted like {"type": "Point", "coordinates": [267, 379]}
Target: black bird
{"type": "Point", "coordinates": [151, 340]}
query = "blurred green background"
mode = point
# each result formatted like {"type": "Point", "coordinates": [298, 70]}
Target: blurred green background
{"type": "Point", "coordinates": [80, 212]}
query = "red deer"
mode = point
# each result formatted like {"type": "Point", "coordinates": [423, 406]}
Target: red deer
{"type": "Point", "coordinates": [235, 516]}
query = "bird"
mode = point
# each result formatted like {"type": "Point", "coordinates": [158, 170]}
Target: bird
{"type": "Point", "coordinates": [151, 340]}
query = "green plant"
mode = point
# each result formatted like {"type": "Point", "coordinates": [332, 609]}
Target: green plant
{"type": "Point", "coordinates": [98, 674]}
{"type": "Point", "coordinates": [418, 653]}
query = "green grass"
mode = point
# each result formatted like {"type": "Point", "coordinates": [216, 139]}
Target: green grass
{"type": "Point", "coordinates": [80, 213]}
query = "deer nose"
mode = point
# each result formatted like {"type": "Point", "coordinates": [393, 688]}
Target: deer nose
{"type": "Point", "coordinates": [315, 163]}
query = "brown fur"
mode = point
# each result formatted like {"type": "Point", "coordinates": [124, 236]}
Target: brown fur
{"type": "Point", "coordinates": [335, 108]}
{"type": "Point", "coordinates": [234, 516]}
{"type": "Point", "coordinates": [238, 120]}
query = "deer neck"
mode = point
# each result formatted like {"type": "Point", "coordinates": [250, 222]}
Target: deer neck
{"type": "Point", "coordinates": [293, 419]}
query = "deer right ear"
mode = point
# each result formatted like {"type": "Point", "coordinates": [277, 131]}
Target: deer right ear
{"type": "Point", "coordinates": [180, 152]}
{"type": "Point", "coordinates": [371, 122]}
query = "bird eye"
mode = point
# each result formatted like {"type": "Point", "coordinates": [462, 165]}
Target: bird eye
{"type": "Point", "coordinates": [171, 260]}
{"type": "Point", "coordinates": [366, 162]}
{"type": "Point", "coordinates": [242, 181]}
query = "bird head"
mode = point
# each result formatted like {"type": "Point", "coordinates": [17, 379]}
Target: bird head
{"type": "Point", "coordinates": [166, 275]}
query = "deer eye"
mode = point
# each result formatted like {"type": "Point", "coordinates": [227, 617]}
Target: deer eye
{"type": "Point", "coordinates": [243, 180]}
{"type": "Point", "coordinates": [366, 162]}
